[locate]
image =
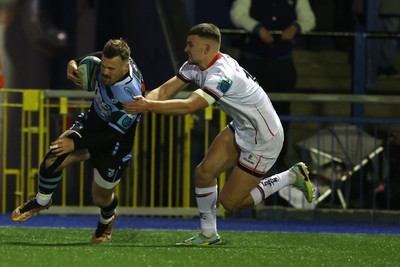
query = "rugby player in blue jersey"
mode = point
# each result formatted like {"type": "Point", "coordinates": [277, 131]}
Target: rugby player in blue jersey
{"type": "Point", "coordinates": [104, 134]}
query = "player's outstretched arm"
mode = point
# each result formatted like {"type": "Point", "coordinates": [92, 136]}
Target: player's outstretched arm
{"type": "Point", "coordinates": [167, 90]}
{"type": "Point", "coordinates": [167, 107]}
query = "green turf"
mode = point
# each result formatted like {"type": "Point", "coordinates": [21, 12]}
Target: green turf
{"type": "Point", "coordinates": [44, 247]}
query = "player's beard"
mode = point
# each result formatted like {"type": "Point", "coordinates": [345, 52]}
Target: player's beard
{"type": "Point", "coordinates": [106, 80]}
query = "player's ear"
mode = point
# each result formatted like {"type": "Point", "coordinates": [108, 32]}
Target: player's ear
{"type": "Point", "coordinates": [207, 49]}
{"type": "Point", "coordinates": [126, 67]}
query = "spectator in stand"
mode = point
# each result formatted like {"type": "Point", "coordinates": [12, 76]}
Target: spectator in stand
{"type": "Point", "coordinates": [389, 17]}
{"type": "Point", "coordinates": [388, 20]}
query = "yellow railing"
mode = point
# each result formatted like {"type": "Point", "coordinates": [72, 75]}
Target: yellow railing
{"type": "Point", "coordinates": [159, 179]}
{"type": "Point", "coordinates": [159, 176]}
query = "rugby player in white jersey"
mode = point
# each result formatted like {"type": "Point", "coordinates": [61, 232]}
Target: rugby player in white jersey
{"type": "Point", "coordinates": [249, 145]}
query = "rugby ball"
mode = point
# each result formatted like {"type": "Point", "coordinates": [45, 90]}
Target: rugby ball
{"type": "Point", "coordinates": [88, 70]}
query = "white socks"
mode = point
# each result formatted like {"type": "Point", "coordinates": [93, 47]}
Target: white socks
{"type": "Point", "coordinates": [43, 199]}
{"type": "Point", "coordinates": [106, 221]}
{"type": "Point", "coordinates": [272, 184]}
{"type": "Point", "coordinates": [207, 204]}
{"type": "Point", "coordinates": [207, 198]}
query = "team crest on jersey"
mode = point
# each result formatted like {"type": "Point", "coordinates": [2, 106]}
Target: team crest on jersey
{"type": "Point", "coordinates": [224, 84]}
{"type": "Point", "coordinates": [126, 122]}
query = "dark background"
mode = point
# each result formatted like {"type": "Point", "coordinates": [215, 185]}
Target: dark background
{"type": "Point", "coordinates": [38, 56]}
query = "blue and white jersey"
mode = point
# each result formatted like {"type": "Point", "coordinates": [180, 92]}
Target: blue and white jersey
{"type": "Point", "coordinates": [108, 99]}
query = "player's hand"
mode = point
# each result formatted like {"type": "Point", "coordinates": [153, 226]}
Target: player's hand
{"type": "Point", "coordinates": [289, 33]}
{"type": "Point", "coordinates": [61, 146]}
{"type": "Point", "coordinates": [136, 107]}
{"type": "Point", "coordinates": [265, 36]}
{"type": "Point", "coordinates": [73, 73]}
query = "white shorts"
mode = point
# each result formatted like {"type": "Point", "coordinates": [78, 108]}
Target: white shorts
{"type": "Point", "coordinates": [259, 162]}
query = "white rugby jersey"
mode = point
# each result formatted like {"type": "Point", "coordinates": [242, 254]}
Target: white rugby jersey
{"type": "Point", "coordinates": [240, 97]}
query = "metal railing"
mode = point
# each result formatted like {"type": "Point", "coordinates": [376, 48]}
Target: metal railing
{"type": "Point", "coordinates": [166, 150]}
{"type": "Point", "coordinates": [158, 178]}
{"type": "Point", "coordinates": [375, 34]}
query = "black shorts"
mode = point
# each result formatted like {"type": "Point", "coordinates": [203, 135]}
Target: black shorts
{"type": "Point", "coordinates": [112, 154]}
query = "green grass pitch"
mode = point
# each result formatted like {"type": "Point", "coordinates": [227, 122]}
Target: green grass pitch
{"type": "Point", "coordinates": [69, 247]}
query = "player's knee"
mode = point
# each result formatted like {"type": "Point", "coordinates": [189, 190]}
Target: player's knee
{"type": "Point", "coordinates": [48, 166]}
{"type": "Point", "coordinates": [199, 171]}
{"type": "Point", "coordinates": [228, 204]}
{"type": "Point", "coordinates": [229, 207]}
{"type": "Point", "coordinates": [47, 163]}
{"type": "Point", "coordinates": [203, 176]}
{"type": "Point", "coordinates": [101, 201]}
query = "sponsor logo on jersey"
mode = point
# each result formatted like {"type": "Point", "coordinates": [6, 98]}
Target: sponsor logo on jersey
{"type": "Point", "coordinates": [249, 159]}
{"type": "Point", "coordinates": [129, 91]}
{"type": "Point", "coordinates": [197, 79]}
{"type": "Point", "coordinates": [110, 172]}
{"type": "Point", "coordinates": [104, 108]}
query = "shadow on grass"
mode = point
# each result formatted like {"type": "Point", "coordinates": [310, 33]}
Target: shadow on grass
{"type": "Point", "coordinates": [112, 244]}
{"type": "Point", "coordinates": [32, 244]}
{"type": "Point", "coordinates": [120, 239]}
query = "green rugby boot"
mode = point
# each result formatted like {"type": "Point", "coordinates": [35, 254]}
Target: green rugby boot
{"type": "Point", "coordinates": [201, 240]}
{"type": "Point", "coordinates": [303, 182]}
